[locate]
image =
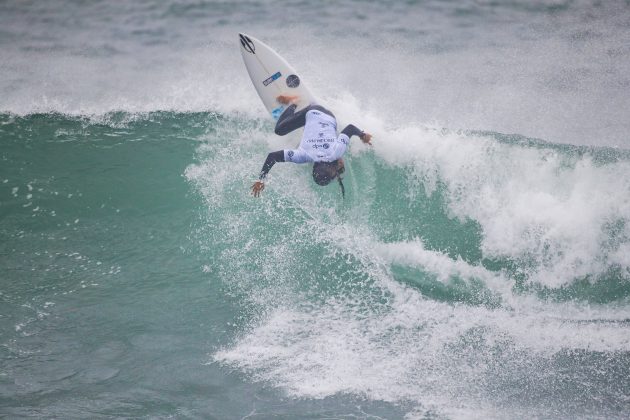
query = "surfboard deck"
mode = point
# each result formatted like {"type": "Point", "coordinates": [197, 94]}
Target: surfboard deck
{"type": "Point", "coordinates": [272, 76]}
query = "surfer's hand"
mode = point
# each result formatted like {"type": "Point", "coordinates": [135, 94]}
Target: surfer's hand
{"type": "Point", "coordinates": [287, 99]}
{"type": "Point", "coordinates": [366, 138]}
{"type": "Point", "coordinates": [257, 188]}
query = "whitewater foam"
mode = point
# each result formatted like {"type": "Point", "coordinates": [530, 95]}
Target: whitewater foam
{"type": "Point", "coordinates": [549, 209]}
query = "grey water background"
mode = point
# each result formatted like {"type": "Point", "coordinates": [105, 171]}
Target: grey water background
{"type": "Point", "coordinates": [478, 268]}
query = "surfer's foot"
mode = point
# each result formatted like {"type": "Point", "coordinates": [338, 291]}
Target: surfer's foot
{"type": "Point", "coordinates": [287, 99]}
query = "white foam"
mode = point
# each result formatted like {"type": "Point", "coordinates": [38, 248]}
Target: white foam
{"type": "Point", "coordinates": [540, 206]}
{"type": "Point", "coordinates": [421, 351]}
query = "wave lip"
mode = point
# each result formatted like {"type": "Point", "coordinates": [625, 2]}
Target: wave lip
{"type": "Point", "coordinates": [557, 214]}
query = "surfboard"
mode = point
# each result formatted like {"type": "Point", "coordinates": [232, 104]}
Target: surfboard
{"type": "Point", "coordinates": [272, 76]}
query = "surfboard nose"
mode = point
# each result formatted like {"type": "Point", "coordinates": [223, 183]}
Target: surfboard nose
{"type": "Point", "coordinates": [247, 43]}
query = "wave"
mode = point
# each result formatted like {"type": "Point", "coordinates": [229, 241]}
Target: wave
{"type": "Point", "coordinates": [549, 219]}
{"type": "Point", "coordinates": [460, 264]}
{"type": "Point", "coordinates": [460, 267]}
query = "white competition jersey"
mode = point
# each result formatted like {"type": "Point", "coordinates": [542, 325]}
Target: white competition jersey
{"type": "Point", "coordinates": [320, 142]}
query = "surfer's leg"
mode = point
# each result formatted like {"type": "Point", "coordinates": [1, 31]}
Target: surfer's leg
{"type": "Point", "coordinates": [291, 120]}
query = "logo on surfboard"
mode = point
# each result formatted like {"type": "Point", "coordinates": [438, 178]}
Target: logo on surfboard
{"type": "Point", "coordinates": [271, 78]}
{"type": "Point", "coordinates": [293, 81]}
{"type": "Point", "coordinates": [247, 44]}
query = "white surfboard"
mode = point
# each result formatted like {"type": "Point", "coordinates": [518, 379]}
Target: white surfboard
{"type": "Point", "coordinates": [272, 76]}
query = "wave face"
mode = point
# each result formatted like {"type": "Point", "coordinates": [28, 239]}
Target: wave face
{"type": "Point", "coordinates": [461, 266]}
{"type": "Point", "coordinates": [479, 266]}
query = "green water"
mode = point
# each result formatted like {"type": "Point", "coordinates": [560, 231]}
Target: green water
{"type": "Point", "coordinates": [140, 279]}
{"type": "Point", "coordinates": [106, 310]}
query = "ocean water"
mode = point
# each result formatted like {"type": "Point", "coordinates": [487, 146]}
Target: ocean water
{"type": "Point", "coordinates": [479, 266]}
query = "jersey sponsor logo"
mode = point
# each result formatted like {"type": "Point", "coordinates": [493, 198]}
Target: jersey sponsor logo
{"type": "Point", "coordinates": [293, 81]}
{"type": "Point", "coordinates": [271, 78]}
{"type": "Point", "coordinates": [247, 44]}
{"type": "Point", "coordinates": [321, 140]}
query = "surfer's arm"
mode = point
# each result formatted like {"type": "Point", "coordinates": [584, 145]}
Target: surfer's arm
{"type": "Point", "coordinates": [352, 130]}
{"type": "Point", "coordinates": [340, 146]}
{"type": "Point", "coordinates": [271, 160]}
{"type": "Point", "coordinates": [294, 156]}
{"type": "Point", "coordinates": [287, 155]}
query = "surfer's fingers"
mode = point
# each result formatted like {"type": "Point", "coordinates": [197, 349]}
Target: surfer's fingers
{"type": "Point", "coordinates": [257, 188]}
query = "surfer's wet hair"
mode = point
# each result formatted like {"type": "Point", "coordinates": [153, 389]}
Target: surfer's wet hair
{"type": "Point", "coordinates": [325, 172]}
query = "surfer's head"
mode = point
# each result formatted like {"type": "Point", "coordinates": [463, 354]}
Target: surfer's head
{"type": "Point", "coordinates": [324, 172]}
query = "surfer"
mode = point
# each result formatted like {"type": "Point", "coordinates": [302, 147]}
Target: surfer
{"type": "Point", "coordinates": [320, 143]}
